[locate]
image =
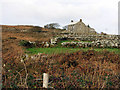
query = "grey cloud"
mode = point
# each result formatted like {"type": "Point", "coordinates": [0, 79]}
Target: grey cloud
{"type": "Point", "coordinates": [101, 15]}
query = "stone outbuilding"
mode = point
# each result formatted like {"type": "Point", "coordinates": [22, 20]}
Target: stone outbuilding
{"type": "Point", "coordinates": [80, 28]}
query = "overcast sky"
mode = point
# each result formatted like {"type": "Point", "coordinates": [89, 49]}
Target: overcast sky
{"type": "Point", "coordinates": [102, 15]}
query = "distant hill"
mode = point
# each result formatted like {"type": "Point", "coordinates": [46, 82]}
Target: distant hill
{"type": "Point", "coordinates": [21, 28]}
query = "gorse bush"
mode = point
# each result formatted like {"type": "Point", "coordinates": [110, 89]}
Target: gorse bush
{"type": "Point", "coordinates": [26, 44]}
{"type": "Point", "coordinates": [82, 69]}
{"type": "Point", "coordinates": [12, 38]}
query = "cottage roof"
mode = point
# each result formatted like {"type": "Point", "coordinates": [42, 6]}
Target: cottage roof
{"type": "Point", "coordinates": [72, 23]}
{"type": "Point", "coordinates": [92, 29]}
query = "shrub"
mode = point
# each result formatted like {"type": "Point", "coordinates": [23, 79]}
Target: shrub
{"type": "Point", "coordinates": [26, 44]}
{"type": "Point", "coordinates": [12, 38]}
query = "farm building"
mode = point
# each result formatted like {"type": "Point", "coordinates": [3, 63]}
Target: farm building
{"type": "Point", "coordinates": [80, 28]}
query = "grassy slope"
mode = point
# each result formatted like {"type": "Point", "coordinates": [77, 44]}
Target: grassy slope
{"type": "Point", "coordinates": [88, 63]}
{"type": "Point", "coordinates": [52, 50]}
{"type": "Point", "coordinates": [57, 50]}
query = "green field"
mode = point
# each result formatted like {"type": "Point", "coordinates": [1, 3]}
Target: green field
{"type": "Point", "coordinates": [53, 50]}
{"type": "Point", "coordinates": [58, 50]}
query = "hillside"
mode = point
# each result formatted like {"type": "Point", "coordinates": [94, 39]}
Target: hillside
{"type": "Point", "coordinates": [12, 35]}
{"type": "Point", "coordinates": [68, 67]}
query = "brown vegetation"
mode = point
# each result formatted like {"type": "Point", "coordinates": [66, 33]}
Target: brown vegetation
{"type": "Point", "coordinates": [81, 69]}
{"type": "Point", "coordinates": [88, 69]}
{"type": "Point", "coordinates": [11, 39]}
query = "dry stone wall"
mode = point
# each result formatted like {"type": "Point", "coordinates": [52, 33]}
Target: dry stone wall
{"type": "Point", "coordinates": [103, 41]}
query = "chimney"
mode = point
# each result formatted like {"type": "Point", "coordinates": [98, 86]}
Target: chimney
{"type": "Point", "coordinates": [80, 20]}
{"type": "Point", "coordinates": [71, 20]}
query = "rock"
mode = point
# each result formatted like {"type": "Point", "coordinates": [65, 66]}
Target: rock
{"type": "Point", "coordinates": [46, 44]}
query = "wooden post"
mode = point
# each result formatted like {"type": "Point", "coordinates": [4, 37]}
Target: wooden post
{"type": "Point", "coordinates": [45, 80]}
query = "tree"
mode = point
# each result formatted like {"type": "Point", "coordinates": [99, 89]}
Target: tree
{"type": "Point", "coordinates": [52, 26]}
{"type": "Point", "coordinates": [65, 27]}
{"type": "Point", "coordinates": [102, 33]}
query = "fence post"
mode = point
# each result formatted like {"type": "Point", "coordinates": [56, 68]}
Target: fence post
{"type": "Point", "coordinates": [45, 80]}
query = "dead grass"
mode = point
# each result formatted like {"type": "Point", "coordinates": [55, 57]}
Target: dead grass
{"type": "Point", "coordinates": [11, 48]}
{"type": "Point", "coordinates": [83, 69]}
{"type": "Point", "coordinates": [80, 69]}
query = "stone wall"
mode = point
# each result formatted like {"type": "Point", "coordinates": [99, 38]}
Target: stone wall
{"type": "Point", "coordinates": [99, 43]}
{"type": "Point", "coordinates": [90, 37]}
{"type": "Point", "coordinates": [102, 41]}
